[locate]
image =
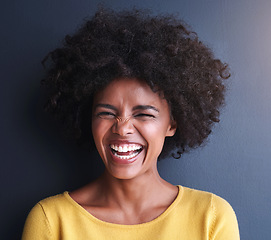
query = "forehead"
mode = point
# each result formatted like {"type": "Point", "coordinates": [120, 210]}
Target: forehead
{"type": "Point", "coordinates": [129, 90]}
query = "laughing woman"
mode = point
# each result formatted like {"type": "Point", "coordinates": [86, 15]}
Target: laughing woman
{"type": "Point", "coordinates": [140, 88]}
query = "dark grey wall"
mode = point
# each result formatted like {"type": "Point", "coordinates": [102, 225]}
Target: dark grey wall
{"type": "Point", "coordinates": [235, 163]}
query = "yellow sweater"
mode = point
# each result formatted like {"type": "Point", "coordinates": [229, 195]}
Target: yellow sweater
{"type": "Point", "coordinates": [193, 215]}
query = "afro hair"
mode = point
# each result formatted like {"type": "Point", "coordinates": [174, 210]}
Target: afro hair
{"type": "Point", "coordinates": [161, 50]}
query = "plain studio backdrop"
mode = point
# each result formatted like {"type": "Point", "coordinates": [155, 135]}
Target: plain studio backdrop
{"type": "Point", "coordinates": [235, 162]}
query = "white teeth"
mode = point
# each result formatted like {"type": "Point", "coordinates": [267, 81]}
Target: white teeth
{"type": "Point", "coordinates": [125, 148]}
{"type": "Point", "coordinates": [126, 157]}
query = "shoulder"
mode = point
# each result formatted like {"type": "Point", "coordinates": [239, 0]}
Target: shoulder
{"type": "Point", "coordinates": [44, 216]}
{"type": "Point", "coordinates": [198, 196]}
{"type": "Point", "coordinates": [54, 201]}
{"type": "Point", "coordinates": [206, 200]}
{"type": "Point", "coordinates": [55, 206]}
{"type": "Point", "coordinates": [49, 205]}
{"type": "Point", "coordinates": [215, 211]}
{"type": "Point", "coordinates": [37, 225]}
{"type": "Point", "coordinates": [50, 208]}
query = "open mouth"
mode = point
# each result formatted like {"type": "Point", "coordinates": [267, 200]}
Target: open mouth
{"type": "Point", "coordinates": [126, 151]}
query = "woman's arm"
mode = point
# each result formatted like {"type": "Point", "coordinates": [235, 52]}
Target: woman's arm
{"type": "Point", "coordinates": [224, 225]}
{"type": "Point", "coordinates": [37, 225]}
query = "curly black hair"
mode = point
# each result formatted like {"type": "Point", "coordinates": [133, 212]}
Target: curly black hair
{"type": "Point", "coordinates": [161, 50]}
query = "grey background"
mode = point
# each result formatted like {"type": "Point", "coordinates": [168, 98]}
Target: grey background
{"type": "Point", "coordinates": [235, 163]}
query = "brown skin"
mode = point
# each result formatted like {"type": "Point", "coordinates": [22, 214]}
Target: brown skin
{"type": "Point", "coordinates": [128, 113]}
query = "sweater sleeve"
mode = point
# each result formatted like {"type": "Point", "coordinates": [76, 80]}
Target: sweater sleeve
{"type": "Point", "coordinates": [225, 226]}
{"type": "Point", "coordinates": [37, 226]}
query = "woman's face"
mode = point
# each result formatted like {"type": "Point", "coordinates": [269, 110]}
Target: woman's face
{"type": "Point", "coordinates": [129, 126]}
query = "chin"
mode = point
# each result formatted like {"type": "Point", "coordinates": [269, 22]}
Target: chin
{"type": "Point", "coordinates": [123, 175]}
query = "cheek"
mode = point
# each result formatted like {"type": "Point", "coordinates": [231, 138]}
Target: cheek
{"type": "Point", "coordinates": [153, 133]}
{"type": "Point", "coordinates": [99, 132]}
{"type": "Point", "coordinates": [99, 129]}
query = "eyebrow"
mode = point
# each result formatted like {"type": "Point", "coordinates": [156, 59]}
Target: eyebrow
{"type": "Point", "coordinates": [102, 105]}
{"type": "Point", "coordinates": [145, 107]}
{"type": "Point", "coordinates": [138, 107]}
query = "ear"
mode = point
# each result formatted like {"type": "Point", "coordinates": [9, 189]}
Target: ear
{"type": "Point", "coordinates": [171, 129]}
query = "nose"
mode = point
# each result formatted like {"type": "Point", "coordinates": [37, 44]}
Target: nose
{"type": "Point", "coordinates": [123, 127]}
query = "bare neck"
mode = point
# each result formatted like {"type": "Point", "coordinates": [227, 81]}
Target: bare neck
{"type": "Point", "coordinates": [135, 193]}
{"type": "Point", "coordinates": [130, 201]}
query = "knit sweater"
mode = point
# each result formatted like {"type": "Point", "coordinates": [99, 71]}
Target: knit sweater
{"type": "Point", "coordinates": [193, 215]}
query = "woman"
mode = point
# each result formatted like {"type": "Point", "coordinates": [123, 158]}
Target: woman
{"type": "Point", "coordinates": [142, 87]}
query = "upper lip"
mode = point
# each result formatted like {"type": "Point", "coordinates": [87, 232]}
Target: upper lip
{"type": "Point", "coordinates": [124, 142]}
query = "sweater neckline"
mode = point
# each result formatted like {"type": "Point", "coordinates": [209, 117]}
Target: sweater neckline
{"type": "Point", "coordinates": [99, 221]}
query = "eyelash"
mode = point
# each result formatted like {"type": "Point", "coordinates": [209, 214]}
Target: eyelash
{"type": "Point", "coordinates": [145, 115]}
{"type": "Point", "coordinates": [111, 115]}
{"type": "Point", "coordinates": [100, 114]}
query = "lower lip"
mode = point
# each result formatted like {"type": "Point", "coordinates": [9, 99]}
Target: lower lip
{"type": "Point", "coordinates": [124, 161]}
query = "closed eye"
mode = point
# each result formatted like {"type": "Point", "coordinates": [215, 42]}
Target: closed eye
{"type": "Point", "coordinates": [105, 115]}
{"type": "Point", "coordinates": [144, 115]}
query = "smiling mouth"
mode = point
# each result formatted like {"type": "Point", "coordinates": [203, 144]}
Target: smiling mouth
{"type": "Point", "coordinates": [126, 151]}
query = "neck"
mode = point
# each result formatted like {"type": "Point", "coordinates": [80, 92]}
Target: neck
{"type": "Point", "coordinates": [134, 193]}
{"type": "Point", "coordinates": [126, 201]}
